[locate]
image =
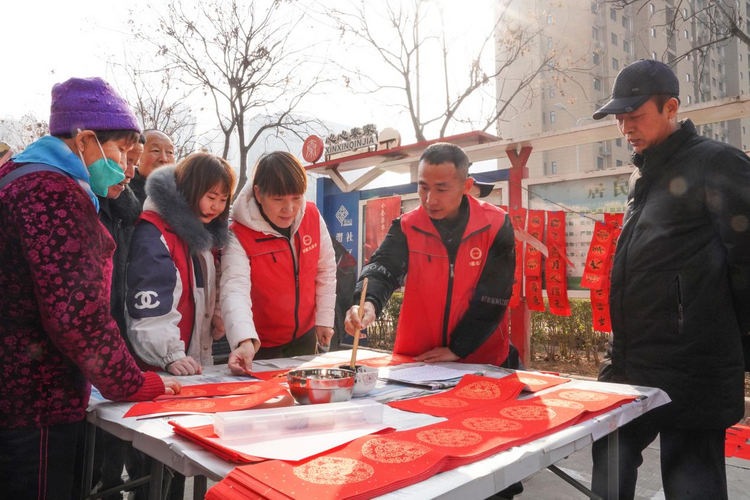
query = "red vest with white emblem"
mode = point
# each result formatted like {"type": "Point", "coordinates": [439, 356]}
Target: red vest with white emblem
{"type": "Point", "coordinates": [283, 291]}
{"type": "Point", "coordinates": [437, 292]}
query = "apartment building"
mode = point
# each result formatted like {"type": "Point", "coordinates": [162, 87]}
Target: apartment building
{"type": "Point", "coordinates": [592, 40]}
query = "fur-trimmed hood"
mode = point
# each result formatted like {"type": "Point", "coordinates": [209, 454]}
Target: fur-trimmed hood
{"type": "Point", "coordinates": [165, 199]}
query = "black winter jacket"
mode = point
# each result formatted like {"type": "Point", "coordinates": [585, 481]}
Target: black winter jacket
{"type": "Point", "coordinates": [680, 298]}
{"type": "Point", "coordinates": [119, 216]}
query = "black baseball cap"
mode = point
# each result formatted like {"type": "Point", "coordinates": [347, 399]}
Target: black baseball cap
{"type": "Point", "coordinates": [635, 85]}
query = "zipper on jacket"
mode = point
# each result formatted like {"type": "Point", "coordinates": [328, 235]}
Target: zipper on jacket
{"type": "Point", "coordinates": [447, 312]}
{"type": "Point", "coordinates": [451, 266]}
{"type": "Point", "coordinates": [678, 281]}
{"type": "Point", "coordinates": [295, 265]}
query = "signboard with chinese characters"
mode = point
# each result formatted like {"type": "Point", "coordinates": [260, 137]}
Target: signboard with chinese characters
{"type": "Point", "coordinates": [348, 142]}
{"type": "Point", "coordinates": [592, 195]}
{"type": "Point", "coordinates": [343, 219]}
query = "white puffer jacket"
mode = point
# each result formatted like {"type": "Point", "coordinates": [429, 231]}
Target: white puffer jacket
{"type": "Point", "coordinates": [235, 286]}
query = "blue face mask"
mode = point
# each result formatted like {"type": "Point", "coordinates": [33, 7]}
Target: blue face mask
{"type": "Point", "coordinates": [103, 173]}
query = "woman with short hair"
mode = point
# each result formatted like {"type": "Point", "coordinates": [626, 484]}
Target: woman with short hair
{"type": "Point", "coordinates": [278, 278]}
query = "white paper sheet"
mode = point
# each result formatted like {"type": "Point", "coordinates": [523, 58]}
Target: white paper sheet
{"type": "Point", "coordinates": [424, 373]}
{"type": "Point", "coordinates": [298, 445]}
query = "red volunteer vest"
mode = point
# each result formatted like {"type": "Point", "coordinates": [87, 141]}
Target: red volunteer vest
{"type": "Point", "coordinates": [180, 254]}
{"type": "Point", "coordinates": [437, 294]}
{"type": "Point", "coordinates": [282, 292]}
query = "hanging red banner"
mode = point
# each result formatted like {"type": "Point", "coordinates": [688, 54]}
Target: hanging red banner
{"type": "Point", "coordinates": [380, 214]}
{"type": "Point", "coordinates": [606, 235]}
{"type": "Point", "coordinates": [598, 256]}
{"type": "Point", "coordinates": [533, 260]}
{"type": "Point", "coordinates": [555, 266]}
{"type": "Point", "coordinates": [518, 219]}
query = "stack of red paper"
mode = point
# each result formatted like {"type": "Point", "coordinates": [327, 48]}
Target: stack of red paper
{"type": "Point", "coordinates": [375, 465]}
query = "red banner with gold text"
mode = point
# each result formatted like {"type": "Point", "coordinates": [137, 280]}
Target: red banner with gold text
{"type": "Point", "coordinates": [555, 266]}
{"type": "Point", "coordinates": [379, 215]}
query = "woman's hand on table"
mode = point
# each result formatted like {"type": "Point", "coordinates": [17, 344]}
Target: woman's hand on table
{"type": "Point", "coordinates": [171, 386]}
{"type": "Point", "coordinates": [352, 324]}
{"type": "Point", "coordinates": [241, 359]}
{"type": "Point", "coordinates": [185, 366]}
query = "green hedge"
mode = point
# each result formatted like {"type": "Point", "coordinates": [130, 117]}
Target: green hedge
{"type": "Point", "coordinates": [382, 333]}
{"type": "Point", "coordinates": [553, 337]}
{"type": "Point", "coordinates": [567, 337]}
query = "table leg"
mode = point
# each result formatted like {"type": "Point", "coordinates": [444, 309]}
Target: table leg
{"type": "Point", "coordinates": [575, 484]}
{"type": "Point", "coordinates": [157, 476]}
{"type": "Point", "coordinates": [88, 459]}
{"type": "Point", "coordinates": [613, 465]}
{"type": "Point", "coordinates": [200, 485]}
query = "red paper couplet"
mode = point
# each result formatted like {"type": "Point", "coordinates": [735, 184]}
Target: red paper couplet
{"type": "Point", "coordinates": [374, 465]}
{"type": "Point", "coordinates": [518, 219]}
{"type": "Point", "coordinates": [598, 272]}
{"type": "Point", "coordinates": [555, 267]}
{"type": "Point", "coordinates": [199, 435]}
{"type": "Point", "coordinates": [266, 391]}
{"type": "Point", "coordinates": [379, 215]}
{"type": "Point", "coordinates": [472, 392]}
{"type": "Point", "coordinates": [211, 390]}
{"type": "Point", "coordinates": [598, 256]}
{"type": "Point", "coordinates": [533, 260]}
{"type": "Point", "coordinates": [535, 381]}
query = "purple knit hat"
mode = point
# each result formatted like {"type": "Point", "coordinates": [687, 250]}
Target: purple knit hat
{"type": "Point", "coordinates": [88, 104]}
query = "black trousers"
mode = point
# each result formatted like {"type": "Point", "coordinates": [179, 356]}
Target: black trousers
{"type": "Point", "coordinates": [300, 346]}
{"type": "Point", "coordinates": [39, 462]}
{"type": "Point", "coordinates": [692, 460]}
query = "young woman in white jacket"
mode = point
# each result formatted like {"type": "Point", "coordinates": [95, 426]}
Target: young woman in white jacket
{"type": "Point", "coordinates": [278, 271]}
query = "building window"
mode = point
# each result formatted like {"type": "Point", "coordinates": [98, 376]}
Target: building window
{"type": "Point", "coordinates": [615, 64]}
{"type": "Point", "coordinates": [596, 59]}
{"type": "Point", "coordinates": [552, 91]}
{"type": "Point", "coordinates": [690, 99]}
{"type": "Point", "coordinates": [653, 32]}
{"type": "Point", "coordinates": [713, 63]}
{"type": "Point", "coordinates": [721, 68]}
{"type": "Point", "coordinates": [549, 42]}
{"type": "Point", "coordinates": [651, 8]}
{"type": "Point", "coordinates": [687, 77]}
{"type": "Point", "coordinates": [595, 33]}
{"type": "Point", "coordinates": [713, 82]}
{"type": "Point", "coordinates": [684, 13]}
{"type": "Point", "coordinates": [743, 129]}
{"type": "Point", "coordinates": [619, 163]}
{"type": "Point", "coordinates": [597, 84]}
{"type": "Point", "coordinates": [626, 46]}
{"type": "Point", "coordinates": [614, 39]}
{"type": "Point", "coordinates": [549, 18]}
{"type": "Point", "coordinates": [686, 34]}
{"type": "Point", "coordinates": [626, 22]}
{"type": "Point", "coordinates": [613, 14]}
{"type": "Point", "coordinates": [599, 163]}
{"type": "Point", "coordinates": [594, 7]}
{"type": "Point", "coordinates": [653, 56]}
{"type": "Point", "coordinates": [544, 118]}
{"type": "Point", "coordinates": [721, 86]}
{"type": "Point", "coordinates": [552, 117]}
{"type": "Point", "coordinates": [618, 142]}
{"type": "Point", "coordinates": [554, 167]}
